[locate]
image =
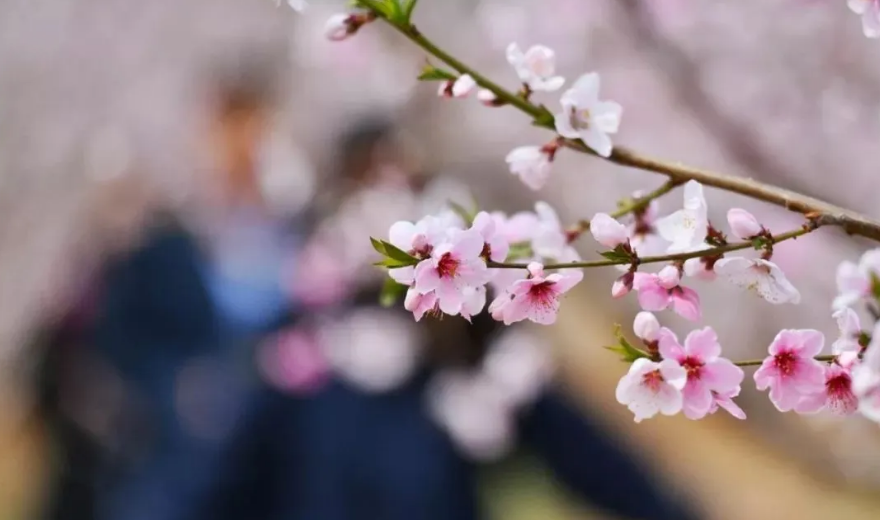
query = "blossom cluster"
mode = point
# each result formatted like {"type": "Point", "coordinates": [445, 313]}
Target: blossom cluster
{"type": "Point", "coordinates": [454, 259]}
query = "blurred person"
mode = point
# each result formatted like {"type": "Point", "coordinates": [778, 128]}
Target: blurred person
{"type": "Point", "coordinates": [176, 316]}
{"type": "Point", "coordinates": [377, 417]}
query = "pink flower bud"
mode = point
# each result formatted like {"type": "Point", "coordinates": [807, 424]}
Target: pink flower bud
{"type": "Point", "coordinates": [646, 326]}
{"type": "Point", "coordinates": [339, 27]}
{"type": "Point", "coordinates": [487, 97]}
{"type": "Point", "coordinates": [622, 286]}
{"type": "Point", "coordinates": [608, 231]}
{"type": "Point", "coordinates": [743, 224]}
{"type": "Point", "coordinates": [669, 277]}
{"type": "Point", "coordinates": [463, 86]}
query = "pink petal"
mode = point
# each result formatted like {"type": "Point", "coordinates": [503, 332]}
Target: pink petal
{"type": "Point", "coordinates": [687, 304]}
{"type": "Point", "coordinates": [731, 407]}
{"type": "Point", "coordinates": [668, 345]}
{"type": "Point", "coordinates": [703, 344]}
{"type": "Point", "coordinates": [654, 298]}
{"type": "Point", "coordinates": [722, 376]}
{"type": "Point", "coordinates": [426, 277]}
{"type": "Point", "coordinates": [697, 400]}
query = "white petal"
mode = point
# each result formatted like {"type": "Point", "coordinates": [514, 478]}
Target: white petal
{"type": "Point", "coordinates": [597, 140]}
{"type": "Point", "coordinates": [606, 116]}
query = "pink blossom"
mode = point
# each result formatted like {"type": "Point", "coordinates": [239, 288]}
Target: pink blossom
{"type": "Point", "coordinates": [474, 301]}
{"type": "Point", "coordinates": [837, 396]}
{"type": "Point", "coordinates": [761, 276]}
{"type": "Point", "coordinates": [531, 164]}
{"type": "Point", "coordinates": [608, 231]}
{"type": "Point", "coordinates": [708, 374]}
{"type": "Point", "coordinates": [536, 67]}
{"type": "Point", "coordinates": [856, 282]}
{"type": "Point", "coordinates": [535, 298]}
{"type": "Point", "coordinates": [623, 285]}
{"type": "Point", "coordinates": [650, 387]}
{"type": "Point", "coordinates": [495, 246]}
{"type": "Point", "coordinates": [416, 239]}
{"type": "Point", "coordinates": [420, 304]}
{"type": "Point", "coordinates": [726, 401]}
{"type": "Point", "coordinates": [643, 235]}
{"type": "Point", "coordinates": [587, 118]}
{"type": "Point", "coordinates": [869, 10]}
{"type": "Point", "coordinates": [743, 225]}
{"type": "Point", "coordinates": [847, 347]}
{"type": "Point", "coordinates": [487, 97]}
{"type": "Point", "coordinates": [659, 291]}
{"type": "Point", "coordinates": [458, 88]}
{"type": "Point", "coordinates": [790, 372]}
{"type": "Point", "coordinates": [700, 268]}
{"type": "Point", "coordinates": [453, 265]}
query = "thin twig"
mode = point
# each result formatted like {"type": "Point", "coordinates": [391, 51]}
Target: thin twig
{"type": "Point", "coordinates": [757, 362]}
{"type": "Point", "coordinates": [820, 211]}
{"type": "Point", "coordinates": [715, 251]}
{"type": "Point", "coordinates": [632, 206]}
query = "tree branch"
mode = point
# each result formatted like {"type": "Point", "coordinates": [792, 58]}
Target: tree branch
{"type": "Point", "coordinates": [821, 212]}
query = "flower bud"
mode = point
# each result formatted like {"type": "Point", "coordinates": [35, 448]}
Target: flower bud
{"type": "Point", "coordinates": [646, 326]}
{"type": "Point", "coordinates": [623, 285]}
{"type": "Point", "coordinates": [608, 231]}
{"type": "Point", "coordinates": [339, 27]}
{"type": "Point", "coordinates": [743, 224]}
{"type": "Point", "coordinates": [669, 277]}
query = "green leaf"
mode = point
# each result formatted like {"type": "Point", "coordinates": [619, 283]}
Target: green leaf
{"type": "Point", "coordinates": [379, 246]}
{"type": "Point", "coordinates": [391, 292]}
{"type": "Point", "coordinates": [408, 8]}
{"type": "Point", "coordinates": [875, 286]}
{"type": "Point", "coordinates": [432, 73]}
{"type": "Point", "coordinates": [615, 256]}
{"type": "Point", "coordinates": [392, 251]}
{"type": "Point", "coordinates": [625, 349]}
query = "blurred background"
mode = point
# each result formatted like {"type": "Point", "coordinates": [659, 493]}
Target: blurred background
{"type": "Point", "coordinates": [189, 322]}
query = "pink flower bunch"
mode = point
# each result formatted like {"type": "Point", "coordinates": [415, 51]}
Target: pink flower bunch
{"type": "Point", "coordinates": [453, 269]}
{"type": "Point", "coordinates": [691, 378]}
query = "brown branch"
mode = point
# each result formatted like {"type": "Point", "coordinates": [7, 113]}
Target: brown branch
{"type": "Point", "coordinates": [821, 212]}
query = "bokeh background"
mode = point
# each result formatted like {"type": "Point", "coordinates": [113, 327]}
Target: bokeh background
{"type": "Point", "coordinates": [101, 118]}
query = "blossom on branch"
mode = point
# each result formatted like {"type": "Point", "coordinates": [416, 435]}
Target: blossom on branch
{"type": "Point", "coordinates": [587, 118]}
{"type": "Point", "coordinates": [866, 379]}
{"type": "Point", "coordinates": [458, 88]}
{"type": "Point", "coordinates": [343, 25]}
{"type": "Point", "coordinates": [608, 231]}
{"type": "Point", "coordinates": [536, 67]}
{"type": "Point", "coordinates": [686, 229]}
{"type": "Point", "coordinates": [659, 291]}
{"type": "Point", "coordinates": [652, 387]}
{"type": "Point", "coordinates": [857, 282]}
{"type": "Point", "coordinates": [743, 225]}
{"type": "Point", "coordinates": [837, 397]}
{"type": "Point", "coordinates": [535, 298]}
{"type": "Point", "coordinates": [759, 275]}
{"type": "Point", "coordinates": [453, 266]}
{"type": "Point", "coordinates": [708, 374]}
{"type": "Point", "coordinates": [790, 371]}
{"type": "Point", "coordinates": [532, 164]}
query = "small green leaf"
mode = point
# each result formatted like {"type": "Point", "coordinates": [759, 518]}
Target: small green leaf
{"type": "Point", "coordinates": [625, 349]}
{"type": "Point", "coordinates": [432, 73]}
{"type": "Point", "coordinates": [392, 251]}
{"type": "Point", "coordinates": [391, 292]}
{"type": "Point", "coordinates": [379, 246]}
{"type": "Point", "coordinates": [615, 256]}
{"type": "Point", "coordinates": [408, 7]}
{"type": "Point", "coordinates": [875, 286]}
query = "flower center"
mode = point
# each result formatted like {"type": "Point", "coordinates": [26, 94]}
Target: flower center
{"type": "Point", "coordinates": [542, 294]}
{"type": "Point", "coordinates": [838, 385]}
{"type": "Point", "coordinates": [652, 380]}
{"type": "Point", "coordinates": [579, 118]}
{"type": "Point", "coordinates": [487, 251]}
{"type": "Point", "coordinates": [447, 266]}
{"type": "Point", "coordinates": [785, 363]}
{"type": "Point", "coordinates": [694, 367]}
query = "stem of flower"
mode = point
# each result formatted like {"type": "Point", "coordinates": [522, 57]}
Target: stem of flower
{"type": "Point", "coordinates": [715, 251]}
{"type": "Point", "coordinates": [820, 211]}
{"type": "Point", "coordinates": [758, 362]}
